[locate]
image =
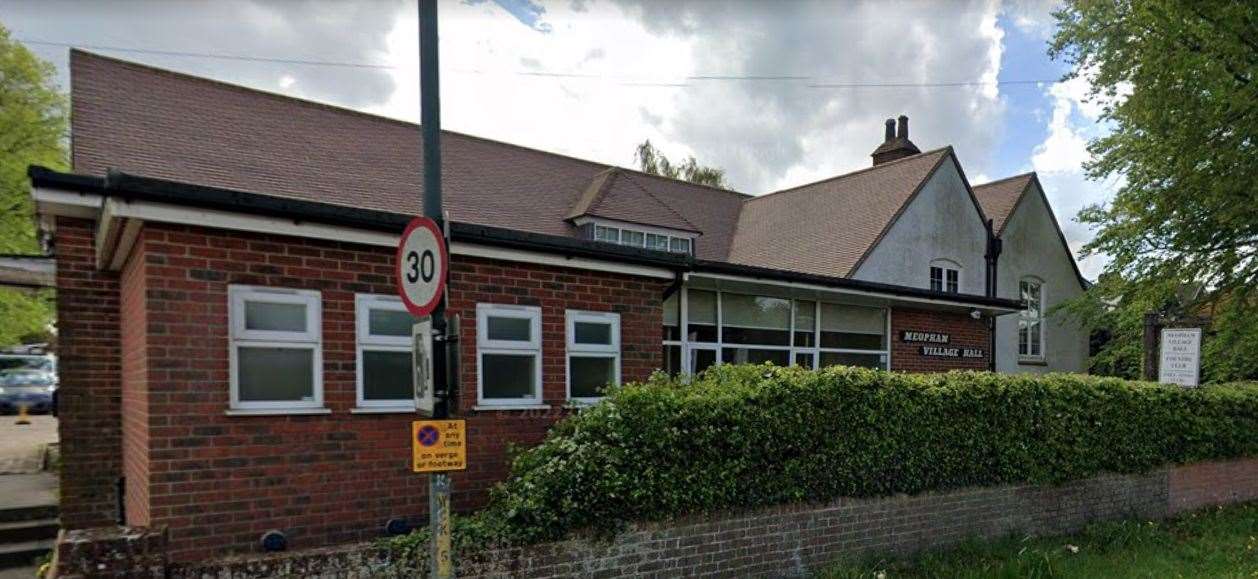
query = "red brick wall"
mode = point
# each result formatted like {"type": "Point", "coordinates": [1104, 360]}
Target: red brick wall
{"type": "Point", "coordinates": [1213, 483]}
{"type": "Point", "coordinates": [963, 332]}
{"type": "Point", "coordinates": [637, 300]}
{"type": "Point", "coordinates": [135, 403]}
{"type": "Point", "coordinates": [88, 364]}
{"type": "Point", "coordinates": [220, 481]}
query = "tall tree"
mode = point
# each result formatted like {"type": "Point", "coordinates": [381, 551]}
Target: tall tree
{"type": "Point", "coordinates": [651, 160]}
{"type": "Point", "coordinates": [1177, 83]}
{"type": "Point", "coordinates": [32, 131]}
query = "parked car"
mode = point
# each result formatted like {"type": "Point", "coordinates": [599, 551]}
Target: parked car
{"type": "Point", "coordinates": [33, 389]}
{"type": "Point", "coordinates": [29, 359]}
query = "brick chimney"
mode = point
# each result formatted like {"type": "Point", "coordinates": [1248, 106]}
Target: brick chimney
{"type": "Point", "coordinates": [896, 143]}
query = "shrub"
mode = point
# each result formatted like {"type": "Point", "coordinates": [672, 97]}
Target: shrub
{"type": "Point", "coordinates": [745, 436]}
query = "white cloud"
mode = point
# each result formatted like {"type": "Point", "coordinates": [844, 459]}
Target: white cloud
{"type": "Point", "coordinates": [594, 113]}
{"type": "Point", "coordinates": [315, 30]}
{"type": "Point", "coordinates": [772, 134]}
{"type": "Point", "coordinates": [1066, 148]}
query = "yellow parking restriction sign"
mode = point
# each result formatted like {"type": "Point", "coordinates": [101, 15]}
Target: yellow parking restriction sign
{"type": "Point", "coordinates": [439, 445]}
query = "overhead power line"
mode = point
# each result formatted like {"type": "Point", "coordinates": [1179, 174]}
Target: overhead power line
{"type": "Point", "coordinates": [681, 82]}
{"type": "Point", "coordinates": [208, 55]}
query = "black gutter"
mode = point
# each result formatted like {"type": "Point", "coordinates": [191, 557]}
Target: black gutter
{"type": "Point", "coordinates": [853, 284]}
{"type": "Point", "coordinates": [125, 186]}
{"type": "Point", "coordinates": [132, 187]}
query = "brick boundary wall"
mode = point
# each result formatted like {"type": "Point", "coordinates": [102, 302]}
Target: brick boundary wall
{"type": "Point", "coordinates": [790, 540]}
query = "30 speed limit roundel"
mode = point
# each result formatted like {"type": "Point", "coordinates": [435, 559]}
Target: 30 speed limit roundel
{"type": "Point", "coordinates": [421, 266]}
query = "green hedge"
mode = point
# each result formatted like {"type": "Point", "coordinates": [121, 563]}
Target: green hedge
{"type": "Point", "coordinates": [743, 436]}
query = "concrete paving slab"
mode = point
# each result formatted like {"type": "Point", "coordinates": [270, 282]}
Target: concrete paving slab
{"type": "Point", "coordinates": [19, 491]}
{"type": "Point", "coordinates": [22, 447]}
{"type": "Point", "coordinates": [18, 573]}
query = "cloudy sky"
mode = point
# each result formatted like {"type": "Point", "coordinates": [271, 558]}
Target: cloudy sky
{"type": "Point", "coordinates": [777, 94]}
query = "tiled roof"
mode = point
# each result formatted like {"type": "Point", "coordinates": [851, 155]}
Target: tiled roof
{"type": "Point", "coordinates": [155, 123]}
{"type": "Point", "coordinates": [618, 194]}
{"type": "Point", "coordinates": [161, 124]}
{"type": "Point", "coordinates": [999, 198]}
{"type": "Point", "coordinates": [825, 228]}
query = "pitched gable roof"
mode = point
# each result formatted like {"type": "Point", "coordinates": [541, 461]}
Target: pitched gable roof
{"type": "Point", "coordinates": [825, 228]}
{"type": "Point", "coordinates": [999, 198]}
{"type": "Point", "coordinates": [616, 194]}
{"type": "Point", "coordinates": [156, 123]}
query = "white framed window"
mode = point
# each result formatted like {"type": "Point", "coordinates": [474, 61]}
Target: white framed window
{"type": "Point", "coordinates": [631, 237]}
{"type": "Point", "coordinates": [608, 234]}
{"type": "Point", "coordinates": [657, 242]}
{"type": "Point", "coordinates": [276, 358]}
{"type": "Point", "coordinates": [593, 353]}
{"type": "Point", "coordinates": [508, 355]}
{"type": "Point", "coordinates": [672, 357]}
{"type": "Point", "coordinates": [945, 276]}
{"type": "Point", "coordinates": [1031, 321]}
{"type": "Point", "coordinates": [385, 378]}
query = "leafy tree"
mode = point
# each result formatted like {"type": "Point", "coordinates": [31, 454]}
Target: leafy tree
{"type": "Point", "coordinates": [651, 160]}
{"type": "Point", "coordinates": [32, 131]}
{"type": "Point", "coordinates": [1176, 81]}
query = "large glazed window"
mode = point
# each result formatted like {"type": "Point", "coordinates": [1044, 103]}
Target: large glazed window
{"type": "Point", "coordinates": [707, 327]}
{"type": "Point", "coordinates": [1031, 321]}
{"type": "Point", "coordinates": [509, 355]}
{"type": "Point", "coordinates": [384, 375]}
{"type": "Point", "coordinates": [276, 353]}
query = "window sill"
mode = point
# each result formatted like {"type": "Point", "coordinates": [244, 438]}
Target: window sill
{"type": "Point", "coordinates": [1032, 362]}
{"type": "Point", "coordinates": [489, 407]}
{"type": "Point", "coordinates": [275, 411]}
{"type": "Point", "coordinates": [383, 410]}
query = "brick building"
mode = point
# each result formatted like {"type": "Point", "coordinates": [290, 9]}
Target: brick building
{"type": "Point", "coordinates": [234, 358]}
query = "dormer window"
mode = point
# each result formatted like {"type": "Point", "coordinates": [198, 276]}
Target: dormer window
{"type": "Point", "coordinates": [608, 234]}
{"type": "Point", "coordinates": [662, 240]}
{"type": "Point", "coordinates": [945, 276]}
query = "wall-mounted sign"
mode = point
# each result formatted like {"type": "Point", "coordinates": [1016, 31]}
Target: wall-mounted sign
{"type": "Point", "coordinates": [1180, 362]}
{"type": "Point", "coordinates": [928, 337]}
{"type": "Point", "coordinates": [950, 352]}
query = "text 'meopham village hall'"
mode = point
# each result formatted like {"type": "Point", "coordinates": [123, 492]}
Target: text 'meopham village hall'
{"type": "Point", "coordinates": [235, 358]}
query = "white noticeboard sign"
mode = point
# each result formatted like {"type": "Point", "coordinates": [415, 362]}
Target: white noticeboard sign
{"type": "Point", "coordinates": [421, 358]}
{"type": "Point", "coordinates": [1180, 360]}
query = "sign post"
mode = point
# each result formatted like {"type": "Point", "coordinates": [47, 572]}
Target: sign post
{"type": "Point", "coordinates": [1180, 359]}
{"type": "Point", "coordinates": [440, 445]}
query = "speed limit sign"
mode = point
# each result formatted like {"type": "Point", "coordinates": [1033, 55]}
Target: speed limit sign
{"type": "Point", "coordinates": [421, 266]}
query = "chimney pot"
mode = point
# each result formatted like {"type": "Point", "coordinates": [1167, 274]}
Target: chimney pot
{"type": "Point", "coordinates": [897, 144]}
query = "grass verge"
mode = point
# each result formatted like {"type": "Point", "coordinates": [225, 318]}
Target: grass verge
{"type": "Point", "coordinates": [1221, 542]}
